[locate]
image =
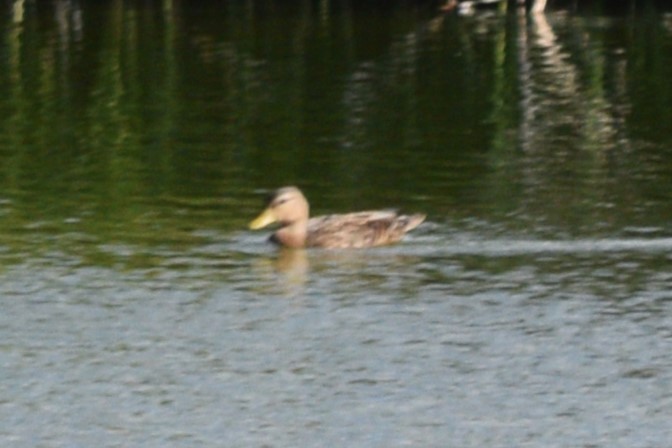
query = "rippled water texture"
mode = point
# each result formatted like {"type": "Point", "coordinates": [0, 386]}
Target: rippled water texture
{"type": "Point", "coordinates": [137, 139]}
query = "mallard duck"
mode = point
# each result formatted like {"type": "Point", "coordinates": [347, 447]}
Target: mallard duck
{"type": "Point", "coordinates": [289, 207]}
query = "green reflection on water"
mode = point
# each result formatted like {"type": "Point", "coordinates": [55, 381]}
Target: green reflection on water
{"type": "Point", "coordinates": [145, 123]}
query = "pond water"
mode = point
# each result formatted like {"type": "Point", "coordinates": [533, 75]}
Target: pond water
{"type": "Point", "coordinates": [137, 139]}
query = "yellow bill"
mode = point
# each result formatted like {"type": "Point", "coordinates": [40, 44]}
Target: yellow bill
{"type": "Point", "coordinates": [267, 217]}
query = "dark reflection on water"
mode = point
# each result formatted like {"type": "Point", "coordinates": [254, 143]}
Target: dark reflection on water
{"type": "Point", "coordinates": [531, 309]}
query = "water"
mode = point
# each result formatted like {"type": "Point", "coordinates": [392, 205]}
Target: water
{"type": "Point", "coordinates": [532, 309]}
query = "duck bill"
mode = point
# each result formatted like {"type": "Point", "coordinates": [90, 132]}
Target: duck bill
{"type": "Point", "coordinates": [267, 217]}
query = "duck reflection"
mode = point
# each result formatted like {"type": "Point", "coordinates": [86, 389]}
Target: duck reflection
{"type": "Point", "coordinates": [293, 264]}
{"type": "Point", "coordinates": [284, 273]}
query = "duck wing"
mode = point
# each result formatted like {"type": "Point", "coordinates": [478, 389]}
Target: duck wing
{"type": "Point", "coordinates": [361, 229]}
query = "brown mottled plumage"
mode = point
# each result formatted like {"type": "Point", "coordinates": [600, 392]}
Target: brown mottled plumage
{"type": "Point", "coordinates": [288, 207]}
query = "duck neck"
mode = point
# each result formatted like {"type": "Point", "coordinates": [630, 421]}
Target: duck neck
{"type": "Point", "coordinates": [292, 235]}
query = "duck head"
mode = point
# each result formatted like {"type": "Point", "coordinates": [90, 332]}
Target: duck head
{"type": "Point", "coordinates": [286, 206]}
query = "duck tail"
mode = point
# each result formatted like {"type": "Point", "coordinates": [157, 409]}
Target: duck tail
{"type": "Point", "coordinates": [410, 222]}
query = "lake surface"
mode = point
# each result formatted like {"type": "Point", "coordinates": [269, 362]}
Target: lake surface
{"type": "Point", "coordinates": [137, 140]}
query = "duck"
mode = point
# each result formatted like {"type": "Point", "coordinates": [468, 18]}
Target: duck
{"type": "Point", "coordinates": [288, 207]}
